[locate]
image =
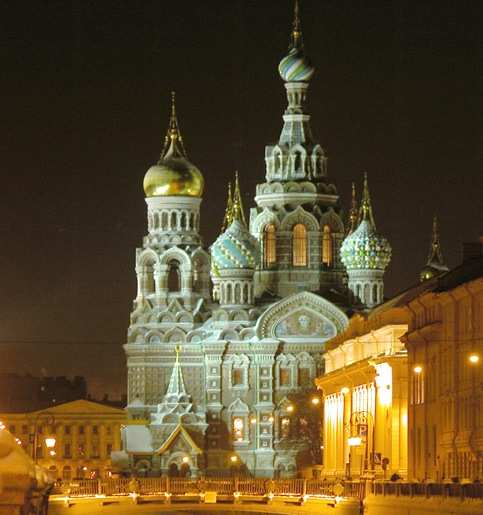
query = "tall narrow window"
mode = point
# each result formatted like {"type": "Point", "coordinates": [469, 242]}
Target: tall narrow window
{"type": "Point", "coordinates": [327, 246]}
{"type": "Point", "coordinates": [237, 377]}
{"type": "Point", "coordinates": [269, 245]}
{"type": "Point", "coordinates": [285, 427]}
{"type": "Point", "coordinates": [173, 277]}
{"type": "Point", "coordinates": [238, 428]}
{"type": "Point", "coordinates": [299, 245]}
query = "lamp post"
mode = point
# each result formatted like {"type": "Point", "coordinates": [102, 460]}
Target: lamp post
{"type": "Point", "coordinates": [48, 419]}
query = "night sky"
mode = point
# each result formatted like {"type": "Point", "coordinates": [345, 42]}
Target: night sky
{"type": "Point", "coordinates": [84, 93]}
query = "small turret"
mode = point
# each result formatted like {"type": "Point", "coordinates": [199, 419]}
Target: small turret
{"type": "Point", "coordinates": [366, 254]}
{"type": "Point", "coordinates": [234, 256]}
{"type": "Point", "coordinates": [435, 264]}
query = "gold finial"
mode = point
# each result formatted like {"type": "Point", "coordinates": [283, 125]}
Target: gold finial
{"type": "Point", "coordinates": [296, 28]}
{"type": "Point", "coordinates": [353, 212]}
{"type": "Point", "coordinates": [227, 219]}
{"type": "Point", "coordinates": [238, 213]}
{"type": "Point", "coordinates": [365, 212]}
{"type": "Point", "coordinates": [173, 142]}
{"type": "Point", "coordinates": [177, 349]}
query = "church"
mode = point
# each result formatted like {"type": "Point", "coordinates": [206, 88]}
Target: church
{"type": "Point", "coordinates": [225, 341]}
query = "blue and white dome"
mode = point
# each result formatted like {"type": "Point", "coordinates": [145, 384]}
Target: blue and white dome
{"type": "Point", "coordinates": [364, 249]}
{"type": "Point", "coordinates": [296, 67]}
{"type": "Point", "coordinates": [236, 248]}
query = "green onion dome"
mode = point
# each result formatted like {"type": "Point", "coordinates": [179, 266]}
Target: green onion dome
{"type": "Point", "coordinates": [364, 249]}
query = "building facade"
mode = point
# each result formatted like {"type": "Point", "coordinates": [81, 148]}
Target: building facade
{"type": "Point", "coordinates": [85, 432]}
{"type": "Point", "coordinates": [403, 386]}
{"type": "Point", "coordinates": [445, 355]}
{"type": "Point", "coordinates": [365, 398]}
{"type": "Point", "coordinates": [222, 340]}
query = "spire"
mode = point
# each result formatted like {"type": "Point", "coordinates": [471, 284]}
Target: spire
{"type": "Point", "coordinates": [365, 211]}
{"type": "Point", "coordinates": [435, 256]}
{"type": "Point", "coordinates": [238, 213]}
{"type": "Point", "coordinates": [176, 384]}
{"type": "Point", "coordinates": [353, 212]}
{"type": "Point", "coordinates": [227, 219]}
{"type": "Point", "coordinates": [173, 142]}
{"type": "Point", "coordinates": [296, 36]}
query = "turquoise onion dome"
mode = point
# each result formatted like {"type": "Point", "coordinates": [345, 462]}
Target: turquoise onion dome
{"type": "Point", "coordinates": [364, 248]}
{"type": "Point", "coordinates": [236, 248]}
{"type": "Point", "coordinates": [296, 67]}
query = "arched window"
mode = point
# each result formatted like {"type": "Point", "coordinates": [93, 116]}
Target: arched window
{"type": "Point", "coordinates": [174, 282]}
{"type": "Point", "coordinates": [299, 245]}
{"type": "Point", "coordinates": [374, 293]}
{"type": "Point", "coordinates": [269, 245]}
{"type": "Point", "coordinates": [327, 246]}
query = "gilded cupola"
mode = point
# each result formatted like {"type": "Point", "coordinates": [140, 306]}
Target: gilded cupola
{"type": "Point", "coordinates": [174, 174]}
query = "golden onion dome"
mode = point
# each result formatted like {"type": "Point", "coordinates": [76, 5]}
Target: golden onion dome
{"type": "Point", "coordinates": [174, 174]}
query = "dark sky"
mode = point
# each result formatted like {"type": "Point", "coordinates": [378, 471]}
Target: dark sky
{"type": "Point", "coordinates": [84, 96]}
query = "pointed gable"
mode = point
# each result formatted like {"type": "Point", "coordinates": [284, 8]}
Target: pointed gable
{"type": "Point", "coordinates": [179, 439]}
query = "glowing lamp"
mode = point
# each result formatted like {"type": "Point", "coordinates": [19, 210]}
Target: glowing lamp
{"type": "Point", "coordinates": [345, 390]}
{"type": "Point", "coordinates": [253, 420]}
{"type": "Point", "coordinates": [354, 441]}
{"type": "Point", "coordinates": [315, 401]}
{"type": "Point", "coordinates": [185, 459]}
{"type": "Point", "coordinates": [271, 419]}
{"type": "Point", "coordinates": [290, 408]}
{"type": "Point", "coordinates": [233, 459]}
{"type": "Point", "coordinates": [418, 369]}
{"type": "Point", "coordinates": [50, 442]}
{"type": "Point", "coordinates": [474, 358]}
{"type": "Point", "coordinates": [52, 453]}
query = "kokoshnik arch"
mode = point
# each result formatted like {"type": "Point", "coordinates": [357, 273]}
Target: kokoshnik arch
{"type": "Point", "coordinates": [222, 339]}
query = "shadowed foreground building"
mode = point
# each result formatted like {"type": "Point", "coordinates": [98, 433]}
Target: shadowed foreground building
{"type": "Point", "coordinates": [214, 374]}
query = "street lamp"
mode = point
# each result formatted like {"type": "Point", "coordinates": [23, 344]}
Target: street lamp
{"type": "Point", "coordinates": [49, 420]}
{"type": "Point", "coordinates": [418, 369]}
{"type": "Point", "coordinates": [473, 358]}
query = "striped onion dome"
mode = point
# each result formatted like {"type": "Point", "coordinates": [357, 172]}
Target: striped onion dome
{"type": "Point", "coordinates": [364, 249]}
{"type": "Point", "coordinates": [296, 67]}
{"type": "Point", "coordinates": [236, 248]}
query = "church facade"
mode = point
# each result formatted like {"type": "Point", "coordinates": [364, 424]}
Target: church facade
{"type": "Point", "coordinates": [225, 342]}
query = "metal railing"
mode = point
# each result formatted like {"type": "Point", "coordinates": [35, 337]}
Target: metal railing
{"type": "Point", "coordinates": [403, 489]}
{"type": "Point", "coordinates": [259, 487]}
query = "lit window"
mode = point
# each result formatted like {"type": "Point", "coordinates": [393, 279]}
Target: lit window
{"type": "Point", "coordinates": [238, 425]}
{"type": "Point", "coordinates": [304, 376]}
{"type": "Point", "coordinates": [269, 245]}
{"type": "Point", "coordinates": [299, 245]}
{"type": "Point", "coordinates": [285, 379]}
{"type": "Point", "coordinates": [327, 246]}
{"type": "Point", "coordinates": [284, 427]}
